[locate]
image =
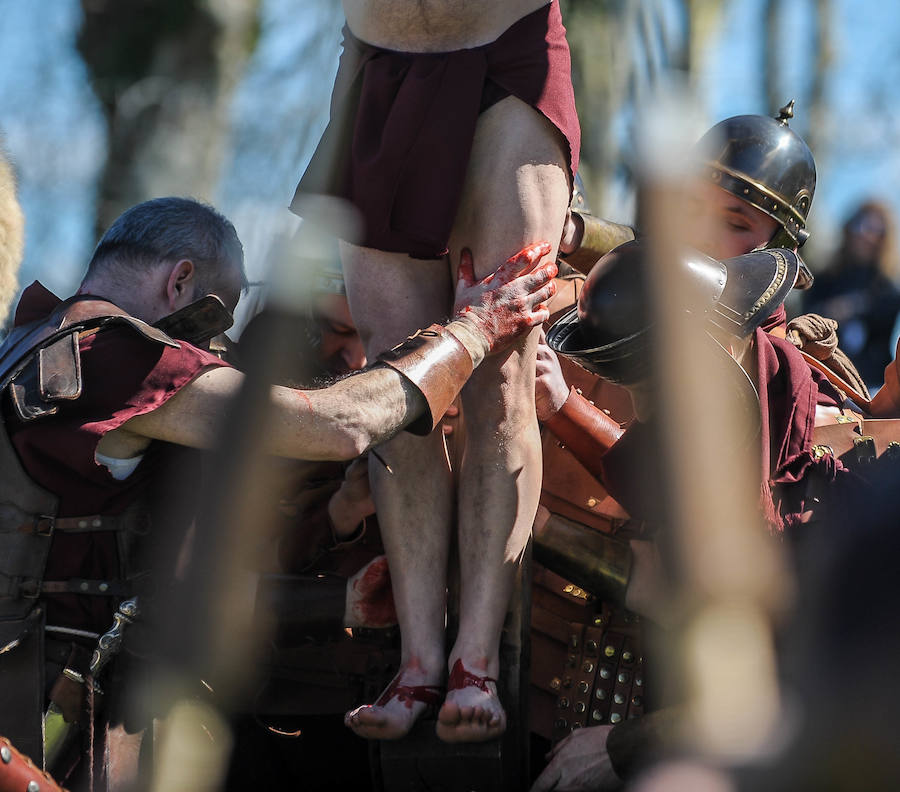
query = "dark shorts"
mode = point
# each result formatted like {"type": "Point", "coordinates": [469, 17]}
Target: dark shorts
{"type": "Point", "coordinates": [402, 124]}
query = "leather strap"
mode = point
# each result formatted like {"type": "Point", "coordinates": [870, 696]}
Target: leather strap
{"type": "Point", "coordinates": [859, 443]}
{"type": "Point", "coordinates": [835, 380]}
{"type": "Point", "coordinates": [45, 524]}
{"type": "Point", "coordinates": [100, 588]}
{"type": "Point", "coordinates": [438, 365]}
{"type": "Point", "coordinates": [460, 678]}
{"type": "Point", "coordinates": [426, 694]}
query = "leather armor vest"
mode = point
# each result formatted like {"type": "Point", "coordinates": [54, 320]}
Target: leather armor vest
{"type": "Point", "coordinates": [40, 367]}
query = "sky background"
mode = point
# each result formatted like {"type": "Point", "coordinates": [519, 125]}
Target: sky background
{"type": "Point", "coordinates": [55, 133]}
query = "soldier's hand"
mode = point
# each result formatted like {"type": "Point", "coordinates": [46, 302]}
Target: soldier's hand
{"type": "Point", "coordinates": [573, 233]}
{"type": "Point", "coordinates": [550, 388]}
{"type": "Point", "coordinates": [509, 301]}
{"type": "Point", "coordinates": [450, 419]}
{"type": "Point", "coordinates": [370, 599]}
{"type": "Point", "coordinates": [352, 503]}
{"type": "Point", "coordinates": [579, 763]}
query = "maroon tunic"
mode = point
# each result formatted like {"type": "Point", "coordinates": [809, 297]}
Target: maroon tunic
{"type": "Point", "coordinates": [789, 391]}
{"type": "Point", "coordinates": [402, 125]}
{"type": "Point", "coordinates": [124, 375]}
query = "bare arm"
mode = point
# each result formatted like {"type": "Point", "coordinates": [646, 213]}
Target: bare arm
{"type": "Point", "coordinates": [337, 422]}
{"type": "Point", "coordinates": [354, 414]}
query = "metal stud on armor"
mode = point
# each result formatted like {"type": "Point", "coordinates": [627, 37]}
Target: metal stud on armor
{"type": "Point", "coordinates": [607, 682]}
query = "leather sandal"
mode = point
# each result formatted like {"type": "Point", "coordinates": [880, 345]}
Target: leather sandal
{"type": "Point", "coordinates": [460, 678]}
{"type": "Point", "coordinates": [431, 695]}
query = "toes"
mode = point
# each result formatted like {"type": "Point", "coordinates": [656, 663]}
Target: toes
{"type": "Point", "coordinates": [352, 717]}
{"type": "Point", "coordinates": [369, 716]}
{"type": "Point", "coordinates": [449, 713]}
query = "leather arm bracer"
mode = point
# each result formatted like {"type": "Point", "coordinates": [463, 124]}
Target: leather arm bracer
{"type": "Point", "coordinates": [586, 431]}
{"type": "Point", "coordinates": [437, 364]}
{"type": "Point", "coordinates": [600, 236]}
{"type": "Point", "coordinates": [18, 772]}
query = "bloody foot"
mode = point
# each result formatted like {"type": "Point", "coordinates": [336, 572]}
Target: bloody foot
{"type": "Point", "coordinates": [472, 711]}
{"type": "Point", "coordinates": [401, 704]}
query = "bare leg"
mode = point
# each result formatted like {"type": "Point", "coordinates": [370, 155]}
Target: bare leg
{"type": "Point", "coordinates": [392, 296]}
{"type": "Point", "coordinates": [516, 192]}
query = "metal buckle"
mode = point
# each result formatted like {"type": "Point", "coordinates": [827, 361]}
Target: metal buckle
{"type": "Point", "coordinates": [39, 518]}
{"type": "Point", "coordinates": [28, 583]}
{"type": "Point", "coordinates": [865, 449]}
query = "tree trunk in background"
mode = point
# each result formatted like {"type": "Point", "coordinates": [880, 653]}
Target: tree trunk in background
{"type": "Point", "coordinates": [619, 50]}
{"type": "Point", "coordinates": [164, 71]}
{"type": "Point", "coordinates": [703, 19]}
{"type": "Point", "coordinates": [823, 52]}
{"type": "Point", "coordinates": [770, 61]}
{"type": "Point", "coordinates": [592, 29]}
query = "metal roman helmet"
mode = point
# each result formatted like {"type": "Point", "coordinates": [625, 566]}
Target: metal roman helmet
{"type": "Point", "coordinates": [609, 331]}
{"type": "Point", "coordinates": [579, 200]}
{"type": "Point", "coordinates": [765, 163]}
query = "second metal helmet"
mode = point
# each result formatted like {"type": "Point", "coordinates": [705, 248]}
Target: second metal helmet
{"type": "Point", "coordinates": [609, 331]}
{"type": "Point", "coordinates": [765, 163]}
{"type": "Point", "coordinates": [579, 200]}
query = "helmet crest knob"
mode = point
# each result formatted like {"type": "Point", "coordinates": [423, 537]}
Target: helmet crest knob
{"type": "Point", "coordinates": [786, 113]}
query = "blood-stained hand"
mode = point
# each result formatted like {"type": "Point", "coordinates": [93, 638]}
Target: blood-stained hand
{"type": "Point", "coordinates": [370, 599]}
{"type": "Point", "coordinates": [509, 301]}
{"type": "Point", "coordinates": [579, 763]}
{"type": "Point", "coordinates": [352, 503]}
{"type": "Point", "coordinates": [550, 388]}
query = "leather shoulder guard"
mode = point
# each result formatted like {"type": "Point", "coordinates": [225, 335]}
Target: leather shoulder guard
{"type": "Point", "coordinates": [41, 362]}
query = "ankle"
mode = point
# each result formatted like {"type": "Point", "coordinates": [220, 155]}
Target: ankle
{"type": "Point", "coordinates": [475, 662]}
{"type": "Point", "coordinates": [422, 665]}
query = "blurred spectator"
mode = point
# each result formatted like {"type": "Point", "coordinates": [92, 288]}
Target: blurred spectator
{"type": "Point", "coordinates": [858, 289]}
{"type": "Point", "coordinates": [12, 237]}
